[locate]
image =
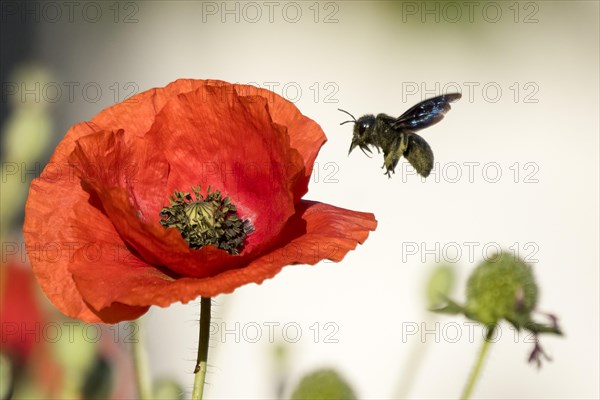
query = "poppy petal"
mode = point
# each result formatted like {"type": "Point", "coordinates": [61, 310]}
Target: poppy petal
{"type": "Point", "coordinates": [214, 138]}
{"type": "Point", "coordinates": [306, 136]}
{"type": "Point", "coordinates": [106, 160]}
{"type": "Point", "coordinates": [49, 217]}
{"type": "Point", "coordinates": [115, 195]}
{"type": "Point", "coordinates": [329, 233]}
{"type": "Point", "coordinates": [191, 133]}
{"type": "Point", "coordinates": [137, 114]}
{"type": "Point", "coordinates": [49, 234]}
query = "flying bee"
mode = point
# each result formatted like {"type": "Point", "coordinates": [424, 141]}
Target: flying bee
{"type": "Point", "coordinates": [397, 137]}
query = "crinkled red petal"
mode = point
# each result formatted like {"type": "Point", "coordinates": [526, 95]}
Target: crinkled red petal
{"type": "Point", "coordinates": [212, 137]}
{"type": "Point", "coordinates": [136, 115]}
{"type": "Point", "coordinates": [306, 136]}
{"type": "Point", "coordinates": [317, 231]}
{"type": "Point", "coordinates": [48, 230]}
{"type": "Point", "coordinates": [202, 135]}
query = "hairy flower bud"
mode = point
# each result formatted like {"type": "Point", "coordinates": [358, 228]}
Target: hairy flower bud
{"type": "Point", "coordinates": [501, 287]}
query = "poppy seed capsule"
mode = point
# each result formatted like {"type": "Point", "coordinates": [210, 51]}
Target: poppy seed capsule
{"type": "Point", "coordinates": [209, 220]}
{"type": "Point", "coordinates": [501, 287]}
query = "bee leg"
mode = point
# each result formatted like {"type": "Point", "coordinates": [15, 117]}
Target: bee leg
{"type": "Point", "coordinates": [393, 154]}
{"type": "Point", "coordinates": [389, 163]}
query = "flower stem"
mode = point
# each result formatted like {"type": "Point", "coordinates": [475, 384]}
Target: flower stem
{"type": "Point", "coordinates": [200, 369]}
{"type": "Point", "coordinates": [477, 369]}
{"type": "Point", "coordinates": [140, 363]}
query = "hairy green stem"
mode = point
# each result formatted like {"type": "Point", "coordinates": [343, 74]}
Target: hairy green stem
{"type": "Point", "coordinates": [200, 369]}
{"type": "Point", "coordinates": [140, 363]}
{"type": "Point", "coordinates": [466, 394]}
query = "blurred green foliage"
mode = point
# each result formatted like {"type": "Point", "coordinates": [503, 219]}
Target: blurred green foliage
{"type": "Point", "coordinates": [440, 284]}
{"type": "Point", "coordinates": [26, 137]}
{"type": "Point", "coordinates": [323, 384]}
{"type": "Point", "coordinates": [167, 389]}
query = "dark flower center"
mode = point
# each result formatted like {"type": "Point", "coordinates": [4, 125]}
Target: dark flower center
{"type": "Point", "coordinates": [206, 220]}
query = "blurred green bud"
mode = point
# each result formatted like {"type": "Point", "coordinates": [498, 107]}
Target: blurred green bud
{"type": "Point", "coordinates": [440, 284]}
{"type": "Point", "coordinates": [33, 77]}
{"type": "Point", "coordinates": [501, 287]}
{"type": "Point", "coordinates": [504, 287]}
{"type": "Point", "coordinates": [27, 136]}
{"type": "Point", "coordinates": [323, 384]}
{"type": "Point", "coordinates": [27, 132]}
{"type": "Point", "coordinates": [167, 389]}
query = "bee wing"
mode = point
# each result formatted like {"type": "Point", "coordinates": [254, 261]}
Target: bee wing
{"type": "Point", "coordinates": [426, 113]}
{"type": "Point", "coordinates": [419, 154]}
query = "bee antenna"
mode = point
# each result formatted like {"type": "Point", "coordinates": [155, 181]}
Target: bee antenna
{"type": "Point", "coordinates": [345, 122]}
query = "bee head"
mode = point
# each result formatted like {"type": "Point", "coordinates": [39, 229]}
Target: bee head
{"type": "Point", "coordinates": [361, 133]}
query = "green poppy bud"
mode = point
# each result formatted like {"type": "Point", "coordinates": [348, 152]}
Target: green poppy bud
{"type": "Point", "coordinates": [501, 287]}
{"type": "Point", "coordinates": [323, 384]}
{"type": "Point", "coordinates": [440, 284]}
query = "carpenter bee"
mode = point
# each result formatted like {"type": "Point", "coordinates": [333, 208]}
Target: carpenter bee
{"type": "Point", "coordinates": [397, 137]}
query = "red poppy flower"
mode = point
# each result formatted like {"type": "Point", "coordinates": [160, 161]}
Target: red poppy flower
{"type": "Point", "coordinates": [189, 190]}
{"type": "Point", "coordinates": [23, 322]}
{"type": "Point", "coordinates": [21, 314]}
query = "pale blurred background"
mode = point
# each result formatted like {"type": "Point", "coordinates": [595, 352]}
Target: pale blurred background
{"type": "Point", "coordinates": [529, 74]}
